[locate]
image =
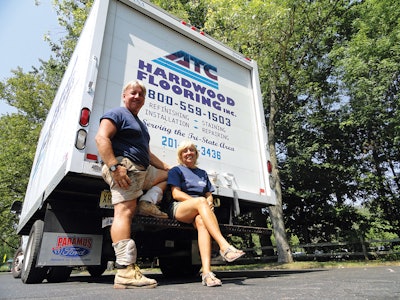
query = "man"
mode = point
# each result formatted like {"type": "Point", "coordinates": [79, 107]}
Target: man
{"type": "Point", "coordinates": [129, 167]}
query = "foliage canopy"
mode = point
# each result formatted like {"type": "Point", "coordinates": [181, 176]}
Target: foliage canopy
{"type": "Point", "coordinates": [330, 74]}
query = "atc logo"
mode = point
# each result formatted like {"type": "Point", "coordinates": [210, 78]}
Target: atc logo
{"type": "Point", "coordinates": [190, 66]}
{"type": "Point", "coordinates": [73, 246]}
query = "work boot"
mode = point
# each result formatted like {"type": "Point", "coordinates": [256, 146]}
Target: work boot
{"type": "Point", "coordinates": [131, 278]}
{"type": "Point", "coordinates": [145, 208]}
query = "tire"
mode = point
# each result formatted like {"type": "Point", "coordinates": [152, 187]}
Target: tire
{"type": "Point", "coordinates": [18, 260]}
{"type": "Point", "coordinates": [58, 274]}
{"type": "Point", "coordinates": [178, 267]}
{"type": "Point", "coordinates": [97, 271]}
{"type": "Point", "coordinates": [30, 273]}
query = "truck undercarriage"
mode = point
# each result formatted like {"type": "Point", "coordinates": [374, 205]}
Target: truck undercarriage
{"type": "Point", "coordinates": [73, 209]}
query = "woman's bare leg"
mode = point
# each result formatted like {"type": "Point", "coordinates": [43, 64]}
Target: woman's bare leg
{"type": "Point", "coordinates": [189, 209]}
{"type": "Point", "coordinates": [204, 240]}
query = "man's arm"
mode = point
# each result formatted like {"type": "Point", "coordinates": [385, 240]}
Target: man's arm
{"type": "Point", "coordinates": [107, 130]}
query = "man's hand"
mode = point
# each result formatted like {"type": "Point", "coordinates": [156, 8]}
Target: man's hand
{"type": "Point", "coordinates": [121, 178]}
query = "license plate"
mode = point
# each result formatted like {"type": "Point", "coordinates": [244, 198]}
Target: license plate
{"type": "Point", "coordinates": [105, 199]}
{"type": "Point", "coordinates": [105, 222]}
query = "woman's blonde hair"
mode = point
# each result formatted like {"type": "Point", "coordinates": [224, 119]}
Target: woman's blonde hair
{"type": "Point", "coordinates": [185, 145]}
{"type": "Point", "coordinates": [134, 83]}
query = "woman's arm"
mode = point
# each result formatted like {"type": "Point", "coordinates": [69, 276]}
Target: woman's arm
{"type": "Point", "coordinates": [178, 195]}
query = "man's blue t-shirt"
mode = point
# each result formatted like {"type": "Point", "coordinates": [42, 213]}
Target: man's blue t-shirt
{"type": "Point", "coordinates": [194, 182]}
{"type": "Point", "coordinates": [132, 137]}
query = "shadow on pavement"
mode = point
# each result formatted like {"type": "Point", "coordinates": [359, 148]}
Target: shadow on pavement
{"type": "Point", "coordinates": [225, 276]}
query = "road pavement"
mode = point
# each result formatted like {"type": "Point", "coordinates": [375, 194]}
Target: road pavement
{"type": "Point", "coordinates": [340, 283]}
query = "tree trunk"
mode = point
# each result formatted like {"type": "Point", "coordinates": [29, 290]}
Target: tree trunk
{"type": "Point", "coordinates": [265, 240]}
{"type": "Point", "coordinates": [364, 248]}
{"type": "Point", "coordinates": [276, 212]}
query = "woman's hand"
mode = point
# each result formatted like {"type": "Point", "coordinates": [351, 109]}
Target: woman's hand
{"type": "Point", "coordinates": [210, 200]}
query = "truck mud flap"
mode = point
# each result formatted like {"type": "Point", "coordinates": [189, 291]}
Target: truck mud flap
{"type": "Point", "coordinates": [70, 238]}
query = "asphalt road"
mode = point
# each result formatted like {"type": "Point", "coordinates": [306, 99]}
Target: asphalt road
{"type": "Point", "coordinates": [341, 283]}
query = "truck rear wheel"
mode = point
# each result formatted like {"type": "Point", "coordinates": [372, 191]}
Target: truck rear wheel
{"type": "Point", "coordinates": [178, 266]}
{"type": "Point", "coordinates": [16, 268]}
{"type": "Point", "coordinates": [30, 273]}
{"type": "Point", "coordinates": [58, 274]}
{"type": "Point", "coordinates": [97, 271]}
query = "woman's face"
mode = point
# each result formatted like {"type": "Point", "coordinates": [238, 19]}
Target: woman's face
{"type": "Point", "coordinates": [189, 156]}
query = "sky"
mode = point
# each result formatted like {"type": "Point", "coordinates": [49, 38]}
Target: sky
{"type": "Point", "coordinates": [22, 29]}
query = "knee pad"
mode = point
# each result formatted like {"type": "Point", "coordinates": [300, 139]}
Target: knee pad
{"type": "Point", "coordinates": [125, 252]}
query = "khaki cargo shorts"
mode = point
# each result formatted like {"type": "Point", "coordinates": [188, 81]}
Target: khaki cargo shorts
{"type": "Point", "coordinates": [142, 179]}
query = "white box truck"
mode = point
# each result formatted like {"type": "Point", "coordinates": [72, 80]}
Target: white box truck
{"type": "Point", "coordinates": [198, 89]}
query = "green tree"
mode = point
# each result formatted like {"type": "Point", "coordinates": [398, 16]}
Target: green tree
{"type": "Point", "coordinates": [31, 94]}
{"type": "Point", "coordinates": [291, 41]}
{"type": "Point", "coordinates": [193, 12]}
{"type": "Point", "coordinates": [18, 136]}
{"type": "Point", "coordinates": [244, 25]}
{"type": "Point", "coordinates": [329, 73]}
{"type": "Point", "coordinates": [32, 97]}
{"type": "Point", "coordinates": [369, 68]}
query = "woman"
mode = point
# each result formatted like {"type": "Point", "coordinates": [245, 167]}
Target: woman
{"type": "Point", "coordinates": [193, 203]}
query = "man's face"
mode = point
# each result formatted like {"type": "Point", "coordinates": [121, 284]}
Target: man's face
{"type": "Point", "coordinates": [134, 99]}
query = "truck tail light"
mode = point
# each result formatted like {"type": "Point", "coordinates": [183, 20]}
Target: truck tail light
{"type": "Point", "coordinates": [85, 116]}
{"type": "Point", "coordinates": [80, 141]}
{"type": "Point", "coordinates": [91, 157]}
{"type": "Point", "coordinates": [269, 167]}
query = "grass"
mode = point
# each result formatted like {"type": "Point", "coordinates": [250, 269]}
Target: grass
{"type": "Point", "coordinates": [4, 268]}
{"type": "Point", "coordinates": [299, 265]}
{"type": "Point", "coordinates": [303, 265]}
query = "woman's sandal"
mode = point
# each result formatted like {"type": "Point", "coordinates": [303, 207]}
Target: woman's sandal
{"type": "Point", "coordinates": [213, 282]}
{"type": "Point", "coordinates": [231, 250]}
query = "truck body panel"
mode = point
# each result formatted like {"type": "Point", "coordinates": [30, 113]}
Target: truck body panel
{"type": "Point", "coordinates": [221, 115]}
